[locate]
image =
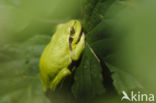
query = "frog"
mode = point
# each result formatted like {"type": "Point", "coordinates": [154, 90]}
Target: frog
{"type": "Point", "coordinates": [66, 45]}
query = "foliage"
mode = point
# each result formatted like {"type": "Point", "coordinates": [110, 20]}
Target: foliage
{"type": "Point", "coordinates": [94, 76]}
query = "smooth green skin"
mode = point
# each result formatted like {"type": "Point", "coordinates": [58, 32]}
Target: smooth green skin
{"type": "Point", "coordinates": [60, 53]}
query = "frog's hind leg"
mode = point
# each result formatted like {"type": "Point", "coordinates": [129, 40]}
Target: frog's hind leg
{"type": "Point", "coordinates": [61, 75]}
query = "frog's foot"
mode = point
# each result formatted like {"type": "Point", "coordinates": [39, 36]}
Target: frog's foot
{"type": "Point", "coordinates": [79, 48]}
{"type": "Point", "coordinates": [61, 75]}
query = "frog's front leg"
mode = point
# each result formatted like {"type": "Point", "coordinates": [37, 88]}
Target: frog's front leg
{"type": "Point", "coordinates": [61, 75]}
{"type": "Point", "coordinates": [79, 48]}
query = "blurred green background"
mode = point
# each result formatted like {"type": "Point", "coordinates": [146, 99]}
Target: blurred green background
{"type": "Point", "coordinates": [120, 32]}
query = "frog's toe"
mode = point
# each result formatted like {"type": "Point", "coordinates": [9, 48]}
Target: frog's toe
{"type": "Point", "coordinates": [53, 86]}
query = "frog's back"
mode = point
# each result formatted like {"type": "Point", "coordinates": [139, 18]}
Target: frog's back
{"type": "Point", "coordinates": [57, 54]}
{"type": "Point", "coordinates": [55, 57]}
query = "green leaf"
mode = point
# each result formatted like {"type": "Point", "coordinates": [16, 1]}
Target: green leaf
{"type": "Point", "coordinates": [20, 83]}
{"type": "Point", "coordinates": [94, 13]}
{"type": "Point", "coordinates": [122, 80]}
{"type": "Point", "coordinates": [20, 74]}
{"type": "Point", "coordinates": [88, 77]}
{"type": "Point", "coordinates": [105, 39]}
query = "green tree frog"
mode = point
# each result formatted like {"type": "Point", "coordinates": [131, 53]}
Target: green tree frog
{"type": "Point", "coordinates": [66, 45]}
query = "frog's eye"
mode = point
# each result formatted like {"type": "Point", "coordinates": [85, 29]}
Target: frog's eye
{"type": "Point", "coordinates": [72, 31]}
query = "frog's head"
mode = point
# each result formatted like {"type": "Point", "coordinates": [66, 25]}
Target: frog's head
{"type": "Point", "coordinates": [75, 30]}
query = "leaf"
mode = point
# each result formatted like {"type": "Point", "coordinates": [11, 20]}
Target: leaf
{"type": "Point", "coordinates": [20, 75]}
{"type": "Point", "coordinates": [94, 12]}
{"type": "Point", "coordinates": [122, 80]}
{"type": "Point", "coordinates": [20, 84]}
{"type": "Point", "coordinates": [88, 78]}
{"type": "Point", "coordinates": [105, 39]}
